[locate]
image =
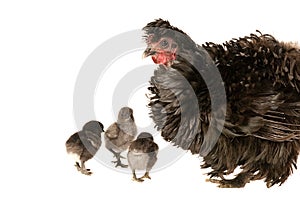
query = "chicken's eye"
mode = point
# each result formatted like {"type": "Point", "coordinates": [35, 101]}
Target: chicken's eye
{"type": "Point", "coordinates": [164, 43]}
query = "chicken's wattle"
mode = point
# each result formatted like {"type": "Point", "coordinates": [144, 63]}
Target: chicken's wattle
{"type": "Point", "coordinates": [163, 58]}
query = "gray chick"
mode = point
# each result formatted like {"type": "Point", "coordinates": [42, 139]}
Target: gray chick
{"type": "Point", "coordinates": [142, 155]}
{"type": "Point", "coordinates": [120, 134]}
{"type": "Point", "coordinates": [84, 144]}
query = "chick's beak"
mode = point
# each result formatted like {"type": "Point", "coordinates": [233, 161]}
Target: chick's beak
{"type": "Point", "coordinates": [148, 52]}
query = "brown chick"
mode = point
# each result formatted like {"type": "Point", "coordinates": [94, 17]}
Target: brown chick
{"type": "Point", "coordinates": [142, 155]}
{"type": "Point", "coordinates": [84, 144]}
{"type": "Point", "coordinates": [120, 134]}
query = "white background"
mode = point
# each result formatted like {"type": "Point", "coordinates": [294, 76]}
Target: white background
{"type": "Point", "coordinates": [42, 48]}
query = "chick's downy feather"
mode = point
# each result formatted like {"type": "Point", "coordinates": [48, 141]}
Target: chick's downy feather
{"type": "Point", "coordinates": [142, 155]}
{"type": "Point", "coordinates": [120, 134]}
{"type": "Point", "coordinates": [84, 144]}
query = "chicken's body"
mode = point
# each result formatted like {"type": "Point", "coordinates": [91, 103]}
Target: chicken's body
{"type": "Point", "coordinates": [120, 134]}
{"type": "Point", "coordinates": [261, 133]}
{"type": "Point", "coordinates": [142, 155]}
{"type": "Point", "coordinates": [84, 144]}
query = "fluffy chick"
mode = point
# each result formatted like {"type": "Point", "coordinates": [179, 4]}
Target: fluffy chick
{"type": "Point", "coordinates": [120, 134]}
{"type": "Point", "coordinates": [84, 144]}
{"type": "Point", "coordinates": [142, 155]}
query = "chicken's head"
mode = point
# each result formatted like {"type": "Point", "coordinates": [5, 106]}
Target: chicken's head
{"type": "Point", "coordinates": [162, 51]}
{"type": "Point", "coordinates": [125, 114]}
{"type": "Point", "coordinates": [165, 42]}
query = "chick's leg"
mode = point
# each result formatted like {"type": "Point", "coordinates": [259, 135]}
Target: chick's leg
{"type": "Point", "coordinates": [146, 175]}
{"type": "Point", "coordinates": [118, 161]}
{"type": "Point", "coordinates": [84, 170]}
{"type": "Point", "coordinates": [134, 178]}
{"type": "Point", "coordinates": [78, 167]}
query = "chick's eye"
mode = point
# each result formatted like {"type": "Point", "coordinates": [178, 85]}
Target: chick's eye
{"type": "Point", "coordinates": [164, 43]}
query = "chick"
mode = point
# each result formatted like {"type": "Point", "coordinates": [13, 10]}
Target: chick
{"type": "Point", "coordinates": [120, 134]}
{"type": "Point", "coordinates": [142, 155]}
{"type": "Point", "coordinates": [84, 144]}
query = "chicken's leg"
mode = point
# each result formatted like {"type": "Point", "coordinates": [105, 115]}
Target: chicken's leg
{"type": "Point", "coordinates": [146, 175]}
{"type": "Point", "coordinates": [82, 168]}
{"type": "Point", "coordinates": [238, 182]}
{"type": "Point", "coordinates": [134, 178]}
{"type": "Point", "coordinates": [118, 161]}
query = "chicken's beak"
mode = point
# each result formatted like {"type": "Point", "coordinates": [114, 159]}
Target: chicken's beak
{"type": "Point", "coordinates": [148, 52]}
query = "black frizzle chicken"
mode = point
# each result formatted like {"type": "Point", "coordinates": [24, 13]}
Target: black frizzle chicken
{"type": "Point", "coordinates": [142, 155]}
{"type": "Point", "coordinates": [119, 135]}
{"type": "Point", "coordinates": [261, 77]}
{"type": "Point", "coordinates": [84, 144]}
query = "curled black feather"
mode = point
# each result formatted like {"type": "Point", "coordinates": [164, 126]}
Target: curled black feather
{"type": "Point", "coordinates": [261, 133]}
